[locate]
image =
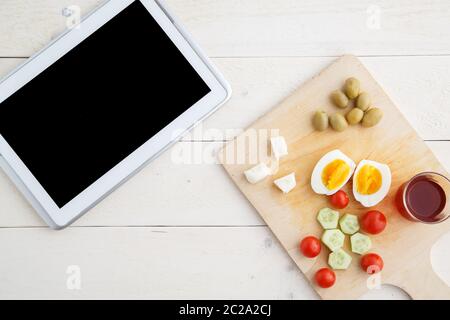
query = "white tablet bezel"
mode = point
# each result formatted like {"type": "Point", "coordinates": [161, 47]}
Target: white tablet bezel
{"type": "Point", "coordinates": [220, 92]}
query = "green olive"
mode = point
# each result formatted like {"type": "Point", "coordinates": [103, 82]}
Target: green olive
{"type": "Point", "coordinates": [339, 99]}
{"type": "Point", "coordinates": [352, 87]}
{"type": "Point", "coordinates": [355, 116]}
{"type": "Point", "coordinates": [363, 101]}
{"type": "Point", "coordinates": [372, 117]}
{"type": "Point", "coordinates": [338, 122]}
{"type": "Point", "coordinates": [320, 120]}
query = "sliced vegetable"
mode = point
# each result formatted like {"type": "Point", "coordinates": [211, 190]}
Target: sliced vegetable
{"type": "Point", "coordinates": [373, 222]}
{"type": "Point", "coordinates": [339, 260]}
{"type": "Point", "coordinates": [372, 263]}
{"type": "Point", "coordinates": [360, 243]}
{"type": "Point", "coordinates": [286, 183]}
{"type": "Point", "coordinates": [349, 224]}
{"type": "Point", "coordinates": [310, 247]}
{"type": "Point", "coordinates": [257, 173]}
{"type": "Point", "coordinates": [333, 239]}
{"type": "Point", "coordinates": [339, 200]}
{"type": "Point", "coordinates": [325, 277]}
{"type": "Point", "coordinates": [328, 218]}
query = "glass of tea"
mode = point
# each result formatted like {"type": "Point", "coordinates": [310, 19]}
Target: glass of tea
{"type": "Point", "coordinates": [424, 198]}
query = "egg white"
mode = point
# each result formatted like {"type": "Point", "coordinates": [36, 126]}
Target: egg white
{"type": "Point", "coordinates": [316, 177]}
{"type": "Point", "coordinates": [370, 200]}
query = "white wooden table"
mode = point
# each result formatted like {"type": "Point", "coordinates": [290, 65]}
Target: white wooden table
{"type": "Point", "coordinates": [183, 230]}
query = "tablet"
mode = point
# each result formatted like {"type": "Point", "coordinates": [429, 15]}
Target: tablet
{"type": "Point", "coordinates": [85, 113]}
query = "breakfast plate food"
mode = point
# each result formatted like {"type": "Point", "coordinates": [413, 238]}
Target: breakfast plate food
{"type": "Point", "coordinates": [330, 195]}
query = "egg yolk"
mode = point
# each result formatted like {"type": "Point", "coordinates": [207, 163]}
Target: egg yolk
{"type": "Point", "coordinates": [369, 180]}
{"type": "Point", "coordinates": [335, 173]}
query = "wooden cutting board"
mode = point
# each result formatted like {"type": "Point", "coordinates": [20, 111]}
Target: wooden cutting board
{"type": "Point", "coordinates": [405, 246]}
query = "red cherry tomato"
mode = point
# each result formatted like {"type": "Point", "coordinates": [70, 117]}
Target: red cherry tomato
{"type": "Point", "coordinates": [373, 222]}
{"type": "Point", "coordinates": [310, 247]}
{"type": "Point", "coordinates": [372, 263]}
{"type": "Point", "coordinates": [339, 200]}
{"type": "Point", "coordinates": [325, 278]}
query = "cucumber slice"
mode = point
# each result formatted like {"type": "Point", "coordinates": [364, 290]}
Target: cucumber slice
{"type": "Point", "coordinates": [349, 224]}
{"type": "Point", "coordinates": [360, 243]}
{"type": "Point", "coordinates": [333, 239]}
{"type": "Point", "coordinates": [328, 218]}
{"type": "Point", "coordinates": [339, 260]}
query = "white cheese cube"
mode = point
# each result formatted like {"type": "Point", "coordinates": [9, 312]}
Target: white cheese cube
{"type": "Point", "coordinates": [279, 147]}
{"type": "Point", "coordinates": [286, 183]}
{"type": "Point", "coordinates": [257, 173]}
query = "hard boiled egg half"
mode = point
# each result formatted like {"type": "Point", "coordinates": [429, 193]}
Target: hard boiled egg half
{"type": "Point", "coordinates": [371, 182]}
{"type": "Point", "coordinates": [332, 172]}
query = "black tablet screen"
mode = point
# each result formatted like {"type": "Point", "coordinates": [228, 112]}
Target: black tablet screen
{"type": "Point", "coordinates": [98, 103]}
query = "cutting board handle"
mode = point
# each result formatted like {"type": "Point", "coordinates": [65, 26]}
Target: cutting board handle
{"type": "Point", "coordinates": [423, 283]}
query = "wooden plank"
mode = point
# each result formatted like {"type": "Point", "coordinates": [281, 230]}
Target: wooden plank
{"type": "Point", "coordinates": [317, 28]}
{"type": "Point", "coordinates": [293, 216]}
{"type": "Point", "coordinates": [9, 64]}
{"type": "Point", "coordinates": [146, 263]}
{"type": "Point", "coordinates": [420, 86]}
{"type": "Point", "coordinates": [148, 198]}
{"type": "Point", "coordinates": [27, 26]}
{"type": "Point", "coordinates": [263, 27]}
{"type": "Point", "coordinates": [169, 191]}
{"type": "Point", "coordinates": [143, 202]}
